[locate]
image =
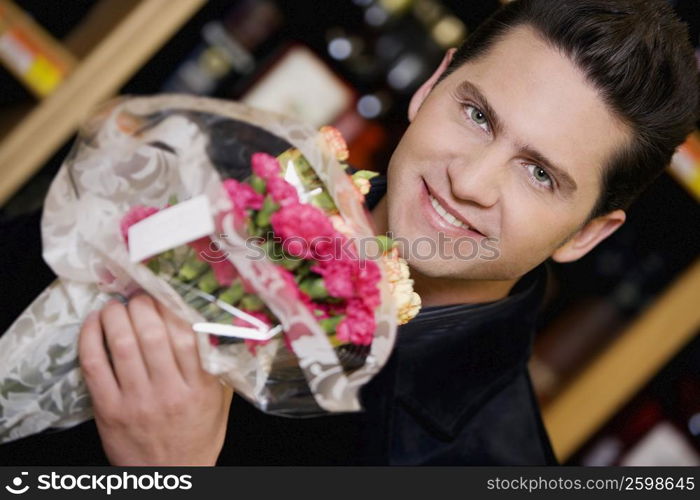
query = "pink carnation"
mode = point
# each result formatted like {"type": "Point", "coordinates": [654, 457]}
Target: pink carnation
{"type": "Point", "coordinates": [351, 278]}
{"type": "Point", "coordinates": [203, 247]}
{"type": "Point", "coordinates": [333, 248]}
{"type": "Point", "coordinates": [242, 195]}
{"type": "Point", "coordinates": [282, 191]}
{"type": "Point", "coordinates": [265, 165]}
{"type": "Point", "coordinates": [136, 214]}
{"type": "Point", "coordinates": [367, 283]}
{"type": "Point", "coordinates": [318, 310]}
{"type": "Point", "coordinates": [224, 271]}
{"type": "Point", "coordinates": [297, 248]}
{"type": "Point", "coordinates": [301, 226]}
{"type": "Point", "coordinates": [339, 277]}
{"type": "Point", "coordinates": [358, 326]}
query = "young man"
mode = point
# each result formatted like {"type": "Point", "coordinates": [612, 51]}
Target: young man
{"type": "Point", "coordinates": [528, 143]}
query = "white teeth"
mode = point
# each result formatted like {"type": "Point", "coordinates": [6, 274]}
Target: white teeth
{"type": "Point", "coordinates": [446, 215]}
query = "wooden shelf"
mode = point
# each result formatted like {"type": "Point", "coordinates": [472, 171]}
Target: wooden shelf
{"type": "Point", "coordinates": [50, 60]}
{"type": "Point", "coordinates": [625, 366]}
{"type": "Point", "coordinates": [142, 31]}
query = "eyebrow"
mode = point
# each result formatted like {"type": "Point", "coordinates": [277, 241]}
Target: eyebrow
{"type": "Point", "coordinates": [467, 88]}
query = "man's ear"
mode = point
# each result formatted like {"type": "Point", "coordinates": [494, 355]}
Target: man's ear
{"type": "Point", "coordinates": [585, 239]}
{"type": "Point", "coordinates": [420, 94]}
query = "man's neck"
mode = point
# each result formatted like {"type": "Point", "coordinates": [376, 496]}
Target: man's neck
{"type": "Point", "coordinates": [446, 291]}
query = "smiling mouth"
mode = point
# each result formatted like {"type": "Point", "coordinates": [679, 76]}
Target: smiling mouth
{"type": "Point", "coordinates": [447, 216]}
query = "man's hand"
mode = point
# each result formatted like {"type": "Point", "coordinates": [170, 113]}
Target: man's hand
{"type": "Point", "coordinates": [153, 404]}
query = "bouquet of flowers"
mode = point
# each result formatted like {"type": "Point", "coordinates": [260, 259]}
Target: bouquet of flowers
{"type": "Point", "coordinates": [244, 223]}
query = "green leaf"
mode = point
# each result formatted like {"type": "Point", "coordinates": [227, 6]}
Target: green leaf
{"type": "Point", "coordinates": [314, 288]}
{"type": "Point", "coordinates": [208, 283]}
{"type": "Point", "coordinates": [251, 303]}
{"type": "Point", "coordinates": [258, 184]}
{"type": "Point", "coordinates": [324, 201]}
{"type": "Point", "coordinates": [192, 269]}
{"type": "Point", "coordinates": [262, 219]}
{"type": "Point", "coordinates": [330, 324]}
{"type": "Point", "coordinates": [365, 174]}
{"type": "Point", "coordinates": [232, 294]}
{"type": "Point", "coordinates": [291, 263]}
{"type": "Point", "coordinates": [385, 243]}
{"type": "Point", "coordinates": [154, 265]}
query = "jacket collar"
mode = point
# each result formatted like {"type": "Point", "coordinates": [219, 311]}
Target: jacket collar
{"type": "Point", "coordinates": [452, 359]}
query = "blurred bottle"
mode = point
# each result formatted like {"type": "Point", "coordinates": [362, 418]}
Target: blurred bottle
{"type": "Point", "coordinates": [394, 50]}
{"type": "Point", "coordinates": [227, 48]}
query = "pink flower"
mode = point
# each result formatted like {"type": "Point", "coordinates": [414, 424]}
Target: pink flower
{"type": "Point", "coordinates": [282, 191]}
{"type": "Point", "coordinates": [206, 251]}
{"type": "Point", "coordinates": [316, 309]}
{"type": "Point", "coordinates": [339, 277]}
{"type": "Point", "coordinates": [301, 226]}
{"type": "Point", "coordinates": [297, 248]}
{"type": "Point", "coordinates": [351, 278]}
{"type": "Point", "coordinates": [136, 214]}
{"type": "Point", "coordinates": [332, 248]}
{"type": "Point", "coordinates": [358, 326]}
{"type": "Point", "coordinates": [203, 247]}
{"type": "Point", "coordinates": [367, 283]}
{"type": "Point", "coordinates": [224, 272]}
{"type": "Point", "coordinates": [265, 166]}
{"type": "Point", "coordinates": [242, 195]}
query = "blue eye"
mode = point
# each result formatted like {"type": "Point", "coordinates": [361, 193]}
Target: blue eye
{"type": "Point", "coordinates": [539, 177]}
{"type": "Point", "coordinates": [477, 116]}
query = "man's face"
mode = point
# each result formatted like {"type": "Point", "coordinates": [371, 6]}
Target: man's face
{"type": "Point", "coordinates": [520, 163]}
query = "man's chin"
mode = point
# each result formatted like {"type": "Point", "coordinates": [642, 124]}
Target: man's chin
{"type": "Point", "coordinates": [436, 269]}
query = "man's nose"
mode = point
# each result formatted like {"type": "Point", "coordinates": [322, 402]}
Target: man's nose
{"type": "Point", "coordinates": [480, 177]}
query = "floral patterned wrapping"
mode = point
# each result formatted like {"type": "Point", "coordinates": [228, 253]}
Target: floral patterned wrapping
{"type": "Point", "coordinates": [144, 150]}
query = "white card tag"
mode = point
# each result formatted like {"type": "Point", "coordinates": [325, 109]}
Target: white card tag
{"type": "Point", "coordinates": [240, 332]}
{"type": "Point", "coordinates": [170, 228]}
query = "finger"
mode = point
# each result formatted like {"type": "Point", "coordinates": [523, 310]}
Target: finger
{"type": "Point", "coordinates": [95, 365]}
{"type": "Point", "coordinates": [184, 345]}
{"type": "Point", "coordinates": [123, 345]}
{"type": "Point", "coordinates": [154, 340]}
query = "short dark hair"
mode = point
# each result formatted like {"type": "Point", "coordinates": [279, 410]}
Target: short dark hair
{"type": "Point", "coordinates": [637, 53]}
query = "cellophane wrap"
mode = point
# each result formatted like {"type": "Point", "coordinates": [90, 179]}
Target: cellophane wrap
{"type": "Point", "coordinates": [143, 151]}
